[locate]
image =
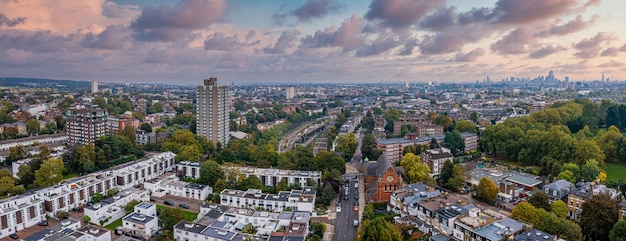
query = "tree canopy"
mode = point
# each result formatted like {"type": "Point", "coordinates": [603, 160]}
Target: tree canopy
{"type": "Point", "coordinates": [599, 215]}
{"type": "Point", "coordinates": [487, 190]}
{"type": "Point", "coordinates": [380, 230]}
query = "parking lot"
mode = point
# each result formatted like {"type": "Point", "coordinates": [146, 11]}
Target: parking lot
{"type": "Point", "coordinates": [194, 205]}
{"type": "Point", "coordinates": [32, 230]}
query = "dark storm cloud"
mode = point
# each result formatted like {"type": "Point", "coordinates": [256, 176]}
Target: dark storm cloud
{"type": "Point", "coordinates": [219, 41]}
{"type": "Point", "coordinates": [169, 24]}
{"type": "Point", "coordinates": [6, 21]}
{"type": "Point", "coordinates": [113, 37]}
{"type": "Point", "coordinates": [545, 51]}
{"type": "Point", "coordinates": [399, 14]}
{"type": "Point", "coordinates": [469, 56]}
{"type": "Point", "coordinates": [315, 9]}
{"type": "Point", "coordinates": [284, 41]}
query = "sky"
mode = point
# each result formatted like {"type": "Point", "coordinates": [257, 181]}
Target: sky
{"type": "Point", "coordinates": [311, 41]}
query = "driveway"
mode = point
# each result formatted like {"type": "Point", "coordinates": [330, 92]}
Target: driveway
{"type": "Point", "coordinates": [194, 205]}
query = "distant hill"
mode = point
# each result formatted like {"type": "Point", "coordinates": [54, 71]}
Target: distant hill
{"type": "Point", "coordinates": [69, 85]}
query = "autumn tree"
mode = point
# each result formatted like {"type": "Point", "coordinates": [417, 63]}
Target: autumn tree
{"type": "Point", "coordinates": [378, 229]}
{"type": "Point", "coordinates": [415, 168]}
{"type": "Point", "coordinates": [524, 211]}
{"type": "Point", "coordinates": [50, 172]}
{"type": "Point", "coordinates": [559, 208]}
{"type": "Point", "coordinates": [599, 215]}
{"type": "Point", "coordinates": [347, 144]}
{"type": "Point", "coordinates": [487, 190]}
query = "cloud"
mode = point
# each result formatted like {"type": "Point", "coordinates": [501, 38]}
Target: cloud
{"type": "Point", "coordinates": [441, 19]}
{"type": "Point", "coordinates": [590, 47]}
{"type": "Point", "coordinates": [611, 63]}
{"type": "Point", "coordinates": [169, 24]}
{"type": "Point", "coordinates": [315, 9]}
{"type": "Point", "coordinates": [570, 27]}
{"type": "Point", "coordinates": [623, 48]}
{"type": "Point", "coordinates": [612, 51]}
{"type": "Point", "coordinates": [516, 42]}
{"type": "Point", "coordinates": [409, 45]}
{"type": "Point", "coordinates": [6, 21]}
{"type": "Point", "coordinates": [545, 51]}
{"type": "Point", "coordinates": [347, 36]}
{"type": "Point", "coordinates": [528, 11]}
{"type": "Point", "coordinates": [380, 45]}
{"type": "Point", "coordinates": [284, 42]}
{"type": "Point", "coordinates": [37, 42]}
{"type": "Point", "coordinates": [219, 41]}
{"type": "Point", "coordinates": [470, 56]}
{"type": "Point", "coordinates": [113, 10]}
{"type": "Point", "coordinates": [113, 37]}
{"type": "Point", "coordinates": [400, 14]}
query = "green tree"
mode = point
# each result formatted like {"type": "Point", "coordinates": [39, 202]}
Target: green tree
{"type": "Point", "coordinates": [15, 153]}
{"type": "Point", "coordinates": [474, 117]}
{"type": "Point", "coordinates": [600, 213]}
{"type": "Point", "coordinates": [559, 208]}
{"type": "Point", "coordinates": [32, 127]}
{"type": "Point", "coordinates": [368, 212]}
{"type": "Point", "coordinates": [129, 132]}
{"type": "Point", "coordinates": [567, 175]}
{"type": "Point", "coordinates": [327, 195]}
{"type": "Point", "coordinates": [585, 149]}
{"type": "Point", "coordinates": [379, 229]}
{"type": "Point", "coordinates": [86, 219]}
{"type": "Point", "coordinates": [465, 126]}
{"type": "Point", "coordinates": [130, 206]}
{"type": "Point", "coordinates": [50, 172]}
{"type": "Point", "coordinates": [251, 181]}
{"type": "Point", "coordinates": [415, 168]}
{"type": "Point", "coordinates": [590, 170]}
{"type": "Point", "coordinates": [210, 172]}
{"type": "Point", "coordinates": [97, 197]}
{"type": "Point", "coordinates": [539, 199]}
{"type": "Point", "coordinates": [573, 168]}
{"type": "Point", "coordinates": [26, 175]}
{"type": "Point", "coordinates": [487, 190]}
{"type": "Point", "coordinates": [146, 127]}
{"type": "Point", "coordinates": [524, 211]}
{"type": "Point", "coordinates": [191, 153]}
{"type": "Point", "coordinates": [170, 217]}
{"type": "Point", "coordinates": [328, 160]}
{"type": "Point", "coordinates": [111, 192]}
{"type": "Point", "coordinates": [446, 172]}
{"type": "Point", "coordinates": [457, 181]}
{"type": "Point", "coordinates": [454, 142]}
{"type": "Point", "coordinates": [618, 233]}
{"type": "Point", "coordinates": [347, 144]}
{"type": "Point", "coordinates": [608, 141]}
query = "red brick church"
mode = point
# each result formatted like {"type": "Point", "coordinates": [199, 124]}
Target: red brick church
{"type": "Point", "coordinates": [381, 179]}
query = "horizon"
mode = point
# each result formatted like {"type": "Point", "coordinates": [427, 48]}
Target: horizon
{"type": "Point", "coordinates": [312, 41]}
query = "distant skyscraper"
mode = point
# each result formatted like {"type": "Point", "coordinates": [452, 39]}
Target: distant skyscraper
{"type": "Point", "coordinates": [602, 76]}
{"type": "Point", "coordinates": [212, 109]}
{"type": "Point", "coordinates": [94, 86]}
{"type": "Point", "coordinates": [85, 124]}
{"type": "Point", "coordinates": [290, 92]}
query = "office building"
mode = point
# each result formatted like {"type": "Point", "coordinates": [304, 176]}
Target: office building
{"type": "Point", "coordinates": [85, 124]}
{"type": "Point", "coordinates": [213, 104]}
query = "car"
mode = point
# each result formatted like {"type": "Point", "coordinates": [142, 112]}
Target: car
{"type": "Point", "coordinates": [339, 203]}
{"type": "Point", "coordinates": [356, 208]}
{"type": "Point", "coordinates": [14, 236]}
{"type": "Point", "coordinates": [355, 222]}
{"type": "Point", "coordinates": [338, 209]}
{"type": "Point", "coordinates": [356, 185]}
{"type": "Point", "coordinates": [182, 205]}
{"type": "Point", "coordinates": [168, 203]}
{"type": "Point", "coordinates": [356, 191]}
{"type": "Point", "coordinates": [345, 197]}
{"type": "Point", "coordinates": [152, 199]}
{"type": "Point", "coordinates": [356, 197]}
{"type": "Point", "coordinates": [43, 223]}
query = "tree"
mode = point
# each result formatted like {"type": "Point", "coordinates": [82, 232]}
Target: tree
{"type": "Point", "coordinates": [457, 181]}
{"type": "Point", "coordinates": [474, 117]}
{"type": "Point", "coordinates": [415, 168]}
{"type": "Point", "coordinates": [347, 144]}
{"type": "Point", "coordinates": [585, 149]}
{"type": "Point", "coordinates": [559, 208]}
{"type": "Point", "coordinates": [379, 229]}
{"type": "Point", "coordinates": [433, 144]}
{"type": "Point", "coordinates": [574, 169]}
{"type": "Point", "coordinates": [251, 181]}
{"type": "Point", "coordinates": [539, 199]}
{"type": "Point", "coordinates": [26, 175]}
{"type": "Point", "coordinates": [608, 141]}
{"type": "Point", "coordinates": [602, 176]}
{"type": "Point", "coordinates": [86, 218]}
{"type": "Point", "coordinates": [32, 126]}
{"type": "Point", "coordinates": [191, 153]}
{"type": "Point", "coordinates": [465, 126]}
{"type": "Point", "coordinates": [524, 211]}
{"type": "Point", "coordinates": [368, 212]}
{"type": "Point", "coordinates": [446, 172]}
{"type": "Point", "coordinates": [210, 171]}
{"type": "Point", "coordinates": [111, 192]}
{"type": "Point", "coordinates": [146, 127]}
{"type": "Point", "coordinates": [618, 233]}
{"type": "Point", "coordinates": [129, 132]}
{"type": "Point", "coordinates": [170, 217]}
{"type": "Point", "coordinates": [50, 172]}
{"type": "Point", "coordinates": [327, 160]}
{"type": "Point", "coordinates": [97, 197]}
{"type": "Point", "coordinates": [130, 206]}
{"type": "Point", "coordinates": [454, 142]}
{"type": "Point", "coordinates": [600, 213]}
{"type": "Point", "coordinates": [590, 170]}
{"type": "Point", "coordinates": [15, 153]}
{"type": "Point", "coordinates": [487, 190]}
{"type": "Point", "coordinates": [567, 175]}
{"type": "Point", "coordinates": [327, 195]}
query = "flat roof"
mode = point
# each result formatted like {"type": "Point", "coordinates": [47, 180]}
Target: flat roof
{"type": "Point", "coordinates": [138, 218]}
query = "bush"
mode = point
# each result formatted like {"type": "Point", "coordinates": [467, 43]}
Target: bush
{"type": "Point", "coordinates": [62, 215]}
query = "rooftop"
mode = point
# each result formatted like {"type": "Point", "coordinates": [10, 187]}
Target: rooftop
{"type": "Point", "coordinates": [138, 218]}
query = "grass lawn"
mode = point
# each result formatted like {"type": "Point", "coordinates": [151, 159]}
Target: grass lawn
{"type": "Point", "coordinates": [615, 172]}
{"type": "Point", "coordinates": [189, 216]}
{"type": "Point", "coordinates": [114, 224]}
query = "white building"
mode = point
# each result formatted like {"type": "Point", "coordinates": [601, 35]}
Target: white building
{"type": "Point", "coordinates": [20, 212]}
{"type": "Point", "coordinates": [93, 233]}
{"type": "Point", "coordinates": [296, 200]}
{"type": "Point", "coordinates": [143, 222]}
{"type": "Point", "coordinates": [290, 92]}
{"type": "Point", "coordinates": [272, 177]}
{"type": "Point", "coordinates": [29, 141]}
{"type": "Point", "coordinates": [111, 209]}
{"type": "Point", "coordinates": [135, 173]}
{"type": "Point", "coordinates": [170, 184]}
{"type": "Point", "coordinates": [188, 169]}
{"type": "Point", "coordinates": [94, 86]}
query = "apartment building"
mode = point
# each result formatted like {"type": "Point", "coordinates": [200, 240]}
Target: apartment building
{"type": "Point", "coordinates": [110, 209]}
{"type": "Point", "coordinates": [135, 173]}
{"type": "Point", "coordinates": [85, 124]}
{"type": "Point", "coordinates": [296, 200]}
{"type": "Point", "coordinates": [622, 210]}
{"type": "Point", "coordinates": [213, 103]}
{"type": "Point", "coordinates": [583, 191]}
{"type": "Point", "coordinates": [75, 192]}
{"type": "Point", "coordinates": [188, 169]}
{"type": "Point", "coordinates": [414, 121]}
{"type": "Point", "coordinates": [272, 177]}
{"type": "Point", "coordinates": [142, 223]}
{"type": "Point", "coordinates": [65, 230]}
{"type": "Point", "coordinates": [29, 141]}
{"type": "Point", "coordinates": [404, 201]}
{"type": "Point", "coordinates": [20, 212]}
{"type": "Point", "coordinates": [143, 137]}
{"type": "Point", "coordinates": [393, 147]}
{"type": "Point", "coordinates": [171, 185]}
{"type": "Point", "coordinates": [435, 158]}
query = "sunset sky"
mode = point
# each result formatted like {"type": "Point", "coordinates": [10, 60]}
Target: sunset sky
{"type": "Point", "coordinates": [311, 41]}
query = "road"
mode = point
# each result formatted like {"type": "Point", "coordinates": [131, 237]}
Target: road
{"type": "Point", "coordinates": [344, 228]}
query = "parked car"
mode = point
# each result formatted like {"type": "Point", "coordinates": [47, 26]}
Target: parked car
{"type": "Point", "coordinates": [345, 197]}
{"type": "Point", "coordinates": [168, 203]}
{"type": "Point", "coordinates": [356, 184]}
{"type": "Point", "coordinates": [182, 205]}
{"type": "Point", "coordinates": [152, 199]}
{"type": "Point", "coordinates": [339, 203]}
{"type": "Point", "coordinates": [43, 223]}
{"type": "Point", "coordinates": [355, 222]}
{"type": "Point", "coordinates": [338, 209]}
{"type": "Point", "coordinates": [14, 236]}
{"type": "Point", "coordinates": [356, 208]}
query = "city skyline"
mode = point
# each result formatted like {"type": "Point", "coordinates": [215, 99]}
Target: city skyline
{"type": "Point", "coordinates": [311, 41]}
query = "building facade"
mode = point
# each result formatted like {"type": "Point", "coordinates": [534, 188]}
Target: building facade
{"type": "Point", "coordinates": [381, 180]}
{"type": "Point", "coordinates": [272, 177]}
{"type": "Point", "coordinates": [296, 200]}
{"type": "Point", "coordinates": [435, 158]}
{"type": "Point", "coordinates": [213, 104]}
{"type": "Point", "coordinates": [171, 185]}
{"type": "Point", "coordinates": [85, 124]}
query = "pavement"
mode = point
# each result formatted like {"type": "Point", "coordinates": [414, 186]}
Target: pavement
{"type": "Point", "coordinates": [194, 205]}
{"type": "Point", "coordinates": [24, 233]}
